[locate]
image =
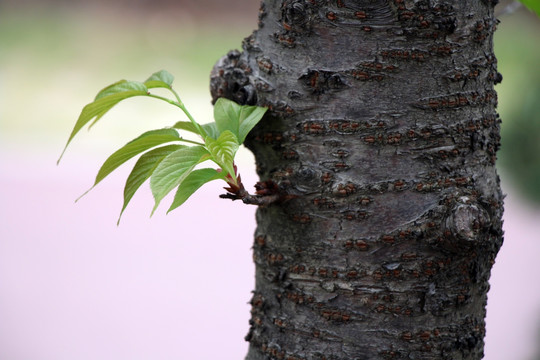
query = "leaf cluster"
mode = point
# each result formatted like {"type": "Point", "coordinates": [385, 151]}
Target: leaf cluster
{"type": "Point", "coordinates": [166, 158]}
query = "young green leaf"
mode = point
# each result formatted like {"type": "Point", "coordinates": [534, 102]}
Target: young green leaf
{"type": "Point", "coordinates": [172, 165]}
{"type": "Point", "coordinates": [187, 126]}
{"type": "Point", "coordinates": [236, 118]}
{"type": "Point", "coordinates": [105, 100]}
{"type": "Point", "coordinates": [143, 169]}
{"type": "Point", "coordinates": [174, 169]}
{"type": "Point", "coordinates": [136, 146]}
{"type": "Point", "coordinates": [249, 117]}
{"type": "Point", "coordinates": [223, 150]}
{"type": "Point", "coordinates": [192, 183]}
{"type": "Point", "coordinates": [211, 130]}
{"type": "Point", "coordinates": [120, 87]}
{"type": "Point", "coordinates": [160, 79]}
{"type": "Point", "coordinates": [226, 115]}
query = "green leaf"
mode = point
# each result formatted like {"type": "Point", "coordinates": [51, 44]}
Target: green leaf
{"type": "Point", "coordinates": [249, 117]}
{"type": "Point", "coordinates": [160, 79]}
{"type": "Point", "coordinates": [143, 169]}
{"type": "Point", "coordinates": [223, 150]}
{"type": "Point", "coordinates": [121, 86]}
{"type": "Point", "coordinates": [192, 183]}
{"type": "Point", "coordinates": [187, 126]}
{"type": "Point", "coordinates": [174, 169]}
{"type": "Point", "coordinates": [105, 100]}
{"type": "Point", "coordinates": [210, 128]}
{"type": "Point", "coordinates": [236, 118]}
{"type": "Point", "coordinates": [136, 146]}
{"type": "Point", "coordinates": [119, 89]}
{"type": "Point", "coordinates": [227, 115]}
{"type": "Point", "coordinates": [533, 5]}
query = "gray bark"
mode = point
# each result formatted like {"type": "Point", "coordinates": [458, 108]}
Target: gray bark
{"type": "Point", "coordinates": [382, 125]}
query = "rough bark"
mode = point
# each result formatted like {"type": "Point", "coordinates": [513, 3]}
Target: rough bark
{"type": "Point", "coordinates": [382, 124]}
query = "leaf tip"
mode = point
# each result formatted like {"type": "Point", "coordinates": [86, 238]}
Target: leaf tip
{"type": "Point", "coordinates": [86, 192]}
{"type": "Point", "coordinates": [154, 209]}
{"type": "Point", "coordinates": [62, 154]}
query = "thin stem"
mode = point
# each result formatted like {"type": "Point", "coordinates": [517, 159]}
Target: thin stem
{"type": "Point", "coordinates": [191, 142]}
{"type": "Point", "coordinates": [267, 193]}
{"type": "Point", "coordinates": [172, 102]}
{"type": "Point", "coordinates": [176, 96]}
{"type": "Point", "coordinates": [249, 199]}
{"type": "Point", "coordinates": [197, 126]}
{"type": "Point", "coordinates": [182, 107]}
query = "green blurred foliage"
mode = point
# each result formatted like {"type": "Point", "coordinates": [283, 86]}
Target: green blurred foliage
{"type": "Point", "coordinates": [520, 154]}
{"type": "Point", "coordinates": [533, 5]}
{"type": "Point", "coordinates": [518, 53]}
{"type": "Point", "coordinates": [115, 44]}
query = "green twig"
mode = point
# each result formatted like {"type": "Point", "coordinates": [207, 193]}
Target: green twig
{"type": "Point", "coordinates": [182, 107]}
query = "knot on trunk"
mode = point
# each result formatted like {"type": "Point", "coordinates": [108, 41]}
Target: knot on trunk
{"type": "Point", "coordinates": [230, 78]}
{"type": "Point", "coordinates": [467, 220]}
{"type": "Point", "coordinates": [296, 15]}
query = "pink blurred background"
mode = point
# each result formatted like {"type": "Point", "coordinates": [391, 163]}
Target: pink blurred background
{"type": "Point", "coordinates": [73, 285]}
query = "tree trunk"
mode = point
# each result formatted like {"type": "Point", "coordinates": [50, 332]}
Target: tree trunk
{"type": "Point", "coordinates": [382, 128]}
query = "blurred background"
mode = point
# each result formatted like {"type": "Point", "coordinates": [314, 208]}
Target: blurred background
{"type": "Point", "coordinates": [73, 285]}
